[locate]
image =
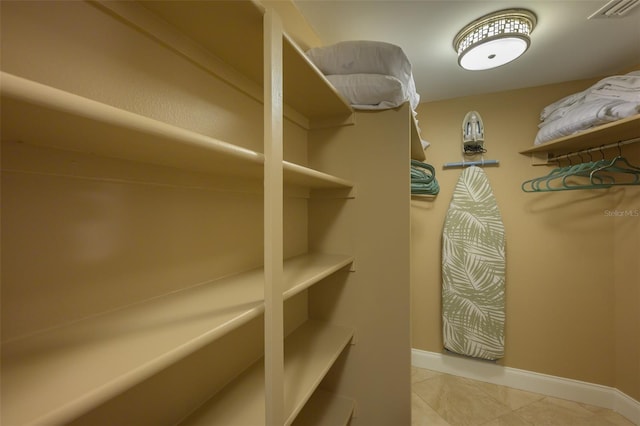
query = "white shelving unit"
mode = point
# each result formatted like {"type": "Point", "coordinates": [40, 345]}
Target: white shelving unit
{"type": "Point", "coordinates": [62, 382]}
{"type": "Point", "coordinates": [108, 304]}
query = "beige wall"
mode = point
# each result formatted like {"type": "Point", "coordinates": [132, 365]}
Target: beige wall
{"type": "Point", "coordinates": [572, 271]}
{"type": "Point", "coordinates": [627, 289]}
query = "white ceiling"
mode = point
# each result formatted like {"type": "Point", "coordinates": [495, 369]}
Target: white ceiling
{"type": "Point", "coordinates": [565, 45]}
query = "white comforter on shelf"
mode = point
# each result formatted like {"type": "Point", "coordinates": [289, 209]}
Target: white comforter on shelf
{"type": "Point", "coordinates": [369, 74]}
{"type": "Point", "coordinates": [610, 99]}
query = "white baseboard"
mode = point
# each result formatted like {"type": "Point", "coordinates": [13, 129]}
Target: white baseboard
{"type": "Point", "coordinates": [559, 387]}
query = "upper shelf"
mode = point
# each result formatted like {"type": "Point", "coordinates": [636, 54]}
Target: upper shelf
{"type": "Point", "coordinates": [616, 131]}
{"type": "Point", "coordinates": [38, 114]}
{"type": "Point", "coordinates": [51, 377]}
{"type": "Point", "coordinates": [232, 31]}
{"type": "Point", "coordinates": [68, 121]}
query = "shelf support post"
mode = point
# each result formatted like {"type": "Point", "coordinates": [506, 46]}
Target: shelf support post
{"type": "Point", "coordinates": [273, 221]}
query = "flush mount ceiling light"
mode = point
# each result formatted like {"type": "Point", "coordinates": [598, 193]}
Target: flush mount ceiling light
{"type": "Point", "coordinates": [494, 39]}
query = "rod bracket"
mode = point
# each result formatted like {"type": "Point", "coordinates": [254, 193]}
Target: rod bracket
{"type": "Point", "coordinates": [541, 159]}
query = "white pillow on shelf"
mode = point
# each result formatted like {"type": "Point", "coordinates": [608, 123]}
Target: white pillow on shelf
{"type": "Point", "coordinates": [367, 57]}
{"type": "Point", "coordinates": [369, 91]}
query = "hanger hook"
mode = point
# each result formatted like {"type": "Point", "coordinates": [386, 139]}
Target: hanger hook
{"type": "Point", "coordinates": [588, 151]}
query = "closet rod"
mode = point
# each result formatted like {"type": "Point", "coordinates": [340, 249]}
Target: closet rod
{"type": "Point", "coordinates": [599, 148]}
{"type": "Point", "coordinates": [472, 163]}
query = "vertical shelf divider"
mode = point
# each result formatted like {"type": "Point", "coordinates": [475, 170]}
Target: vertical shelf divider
{"type": "Point", "coordinates": [273, 220]}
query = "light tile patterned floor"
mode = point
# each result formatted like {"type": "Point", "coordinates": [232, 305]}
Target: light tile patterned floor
{"type": "Point", "coordinates": [445, 400]}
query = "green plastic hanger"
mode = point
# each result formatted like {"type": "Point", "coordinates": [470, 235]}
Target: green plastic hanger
{"type": "Point", "coordinates": [422, 182]}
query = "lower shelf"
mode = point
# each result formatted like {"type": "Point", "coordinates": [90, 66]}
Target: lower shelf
{"type": "Point", "coordinates": [325, 409]}
{"type": "Point", "coordinates": [310, 352]}
{"type": "Point", "coordinates": [54, 376]}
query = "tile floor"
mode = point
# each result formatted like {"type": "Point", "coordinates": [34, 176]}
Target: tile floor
{"type": "Point", "coordinates": [444, 400]}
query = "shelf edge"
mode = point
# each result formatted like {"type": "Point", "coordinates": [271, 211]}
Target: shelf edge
{"type": "Point", "coordinates": [58, 100]}
{"type": "Point", "coordinates": [599, 131]}
{"type": "Point", "coordinates": [301, 175]}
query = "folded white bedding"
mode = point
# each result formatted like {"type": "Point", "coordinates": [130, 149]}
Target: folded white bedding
{"type": "Point", "coordinates": [371, 75]}
{"type": "Point", "coordinates": [620, 87]}
{"type": "Point", "coordinates": [362, 57]}
{"type": "Point", "coordinates": [366, 58]}
{"type": "Point", "coordinates": [371, 91]}
{"type": "Point", "coordinates": [610, 99]}
{"type": "Point", "coordinates": [612, 92]}
{"type": "Point", "coordinates": [586, 115]}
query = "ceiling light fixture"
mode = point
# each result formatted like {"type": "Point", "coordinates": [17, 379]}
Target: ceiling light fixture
{"type": "Point", "coordinates": [494, 39]}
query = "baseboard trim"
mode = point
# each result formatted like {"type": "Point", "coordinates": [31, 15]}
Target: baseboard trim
{"type": "Point", "coordinates": [559, 387]}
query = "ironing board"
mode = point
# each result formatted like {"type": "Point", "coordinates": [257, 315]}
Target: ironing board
{"type": "Point", "coordinates": [473, 270]}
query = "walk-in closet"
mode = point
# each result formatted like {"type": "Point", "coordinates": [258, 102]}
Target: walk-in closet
{"type": "Point", "coordinates": [204, 223]}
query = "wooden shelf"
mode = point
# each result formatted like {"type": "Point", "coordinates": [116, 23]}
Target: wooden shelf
{"type": "Point", "coordinates": [303, 176]}
{"type": "Point", "coordinates": [624, 129]}
{"type": "Point", "coordinates": [53, 376]}
{"type": "Point", "coordinates": [71, 122]}
{"type": "Point", "coordinates": [68, 121]}
{"type": "Point", "coordinates": [325, 409]}
{"type": "Point", "coordinates": [310, 352]}
{"type": "Point", "coordinates": [308, 91]}
{"type": "Point", "coordinates": [213, 24]}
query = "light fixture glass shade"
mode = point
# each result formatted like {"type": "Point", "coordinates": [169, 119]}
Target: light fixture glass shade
{"type": "Point", "coordinates": [494, 39]}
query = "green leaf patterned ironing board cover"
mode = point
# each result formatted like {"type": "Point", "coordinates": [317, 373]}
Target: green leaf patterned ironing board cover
{"type": "Point", "coordinates": [473, 270]}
